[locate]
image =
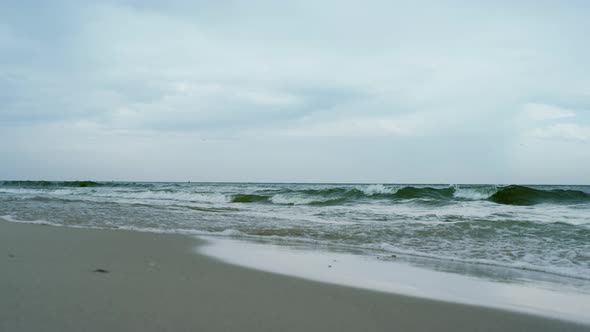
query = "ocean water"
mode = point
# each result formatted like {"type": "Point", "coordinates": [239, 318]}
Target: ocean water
{"type": "Point", "coordinates": [540, 229]}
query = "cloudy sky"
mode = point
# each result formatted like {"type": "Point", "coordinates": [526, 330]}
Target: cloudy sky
{"type": "Point", "coordinates": [296, 91]}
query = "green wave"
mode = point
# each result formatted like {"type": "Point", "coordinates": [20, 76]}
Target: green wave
{"type": "Point", "coordinates": [521, 195]}
{"type": "Point", "coordinates": [338, 191]}
{"type": "Point", "coordinates": [248, 198]}
{"type": "Point", "coordinates": [424, 192]}
{"type": "Point", "coordinates": [79, 184]}
{"type": "Point", "coordinates": [45, 184]}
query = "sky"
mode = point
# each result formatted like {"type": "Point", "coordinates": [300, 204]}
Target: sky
{"type": "Point", "coordinates": [295, 91]}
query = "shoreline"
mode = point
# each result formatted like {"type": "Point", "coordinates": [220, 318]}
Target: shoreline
{"type": "Point", "coordinates": [389, 275]}
{"type": "Point", "coordinates": [156, 282]}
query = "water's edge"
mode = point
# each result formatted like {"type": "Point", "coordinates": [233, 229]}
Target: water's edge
{"type": "Point", "coordinates": [385, 274]}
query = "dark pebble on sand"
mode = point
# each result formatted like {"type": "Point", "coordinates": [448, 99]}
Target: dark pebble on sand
{"type": "Point", "coordinates": [101, 271]}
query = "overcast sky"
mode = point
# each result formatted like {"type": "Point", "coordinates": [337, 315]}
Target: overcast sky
{"type": "Point", "coordinates": [296, 91]}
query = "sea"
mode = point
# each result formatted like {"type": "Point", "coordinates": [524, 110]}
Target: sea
{"type": "Point", "coordinates": [500, 232]}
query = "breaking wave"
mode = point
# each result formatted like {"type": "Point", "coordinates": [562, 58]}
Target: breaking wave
{"type": "Point", "coordinates": [302, 195]}
{"type": "Point", "coordinates": [508, 195]}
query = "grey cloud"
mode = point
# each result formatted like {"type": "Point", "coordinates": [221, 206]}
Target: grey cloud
{"type": "Point", "coordinates": [425, 76]}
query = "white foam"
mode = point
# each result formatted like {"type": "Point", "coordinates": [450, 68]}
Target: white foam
{"type": "Point", "coordinates": [230, 232]}
{"type": "Point", "coordinates": [374, 189]}
{"type": "Point", "coordinates": [22, 191]}
{"type": "Point", "coordinates": [11, 218]}
{"type": "Point", "coordinates": [472, 193]}
{"type": "Point", "coordinates": [527, 263]}
{"type": "Point", "coordinates": [164, 195]}
{"type": "Point", "coordinates": [225, 233]}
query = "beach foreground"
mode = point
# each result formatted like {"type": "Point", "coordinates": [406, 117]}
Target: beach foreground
{"type": "Point", "coordinates": [155, 282]}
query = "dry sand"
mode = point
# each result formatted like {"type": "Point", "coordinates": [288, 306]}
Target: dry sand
{"type": "Point", "coordinates": [157, 283]}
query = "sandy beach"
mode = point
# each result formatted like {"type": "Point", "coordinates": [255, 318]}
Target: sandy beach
{"type": "Point", "coordinates": [156, 282]}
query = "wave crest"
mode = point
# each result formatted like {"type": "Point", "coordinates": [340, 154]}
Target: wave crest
{"type": "Point", "coordinates": [300, 194]}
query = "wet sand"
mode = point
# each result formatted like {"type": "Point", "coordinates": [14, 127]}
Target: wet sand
{"type": "Point", "coordinates": [155, 282]}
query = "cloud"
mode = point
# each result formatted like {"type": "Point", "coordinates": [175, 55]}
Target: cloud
{"type": "Point", "coordinates": [351, 127]}
{"type": "Point", "coordinates": [541, 112]}
{"type": "Point", "coordinates": [563, 131]}
{"type": "Point", "coordinates": [424, 76]}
